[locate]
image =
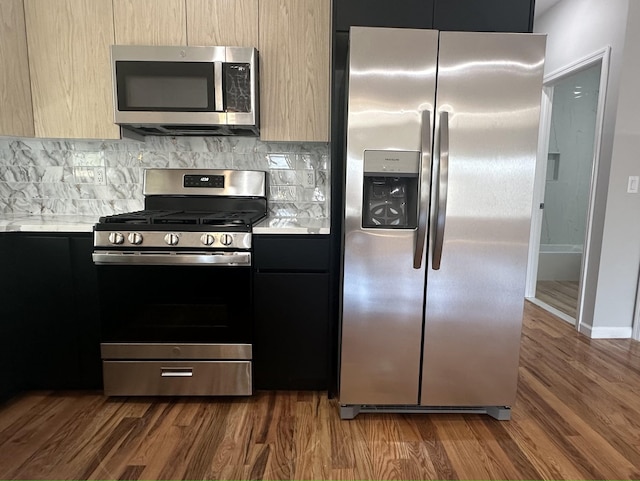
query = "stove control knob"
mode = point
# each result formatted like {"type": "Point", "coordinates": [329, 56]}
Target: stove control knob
{"type": "Point", "coordinates": [116, 238]}
{"type": "Point", "coordinates": [135, 238]}
{"type": "Point", "coordinates": [207, 239]}
{"type": "Point", "coordinates": [172, 239]}
{"type": "Point", "coordinates": [226, 239]}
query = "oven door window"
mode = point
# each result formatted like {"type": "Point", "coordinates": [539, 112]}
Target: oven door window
{"type": "Point", "coordinates": [165, 86]}
{"type": "Point", "coordinates": [176, 304]}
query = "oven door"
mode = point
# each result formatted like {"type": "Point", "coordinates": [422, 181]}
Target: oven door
{"type": "Point", "coordinates": [176, 330]}
{"type": "Point", "coordinates": [176, 304]}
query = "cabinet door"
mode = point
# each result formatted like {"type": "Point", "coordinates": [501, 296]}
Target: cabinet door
{"type": "Point", "coordinates": [291, 346]}
{"type": "Point", "coordinates": [9, 322]}
{"type": "Point", "coordinates": [222, 22]}
{"type": "Point", "coordinates": [382, 13]}
{"type": "Point", "coordinates": [294, 71]}
{"type": "Point", "coordinates": [150, 22]}
{"type": "Point", "coordinates": [16, 115]}
{"type": "Point", "coordinates": [484, 16]}
{"type": "Point", "coordinates": [86, 310]}
{"type": "Point", "coordinates": [45, 310]}
{"type": "Point", "coordinates": [70, 67]}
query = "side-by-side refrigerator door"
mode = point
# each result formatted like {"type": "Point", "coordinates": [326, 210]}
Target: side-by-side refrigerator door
{"type": "Point", "coordinates": [391, 93]}
{"type": "Point", "coordinates": [487, 115]}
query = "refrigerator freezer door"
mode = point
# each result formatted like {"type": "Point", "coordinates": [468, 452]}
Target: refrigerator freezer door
{"type": "Point", "coordinates": [490, 85]}
{"type": "Point", "coordinates": [391, 82]}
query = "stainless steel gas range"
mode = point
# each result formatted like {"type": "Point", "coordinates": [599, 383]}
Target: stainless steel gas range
{"type": "Point", "coordinates": [176, 286]}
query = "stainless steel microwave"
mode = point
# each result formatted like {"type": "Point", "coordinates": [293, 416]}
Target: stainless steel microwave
{"type": "Point", "coordinates": [175, 90]}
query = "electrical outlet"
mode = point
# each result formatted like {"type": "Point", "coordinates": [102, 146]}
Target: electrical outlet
{"type": "Point", "coordinates": [86, 174]}
{"type": "Point", "coordinates": [99, 176]}
{"type": "Point", "coordinates": [309, 179]}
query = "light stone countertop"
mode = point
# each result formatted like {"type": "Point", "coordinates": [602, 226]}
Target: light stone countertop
{"type": "Point", "coordinates": [292, 225]}
{"type": "Point", "coordinates": [85, 223]}
{"type": "Point", "coordinates": [47, 223]}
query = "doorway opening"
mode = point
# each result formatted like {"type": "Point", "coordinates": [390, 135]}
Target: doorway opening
{"type": "Point", "coordinates": [571, 126]}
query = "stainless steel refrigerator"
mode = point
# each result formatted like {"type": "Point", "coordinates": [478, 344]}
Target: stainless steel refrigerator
{"type": "Point", "coordinates": [442, 130]}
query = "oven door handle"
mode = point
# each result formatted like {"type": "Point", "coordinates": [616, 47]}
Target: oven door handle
{"type": "Point", "coordinates": [172, 258]}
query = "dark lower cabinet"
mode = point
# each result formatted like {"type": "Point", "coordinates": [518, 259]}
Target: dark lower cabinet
{"type": "Point", "coordinates": [49, 341]}
{"type": "Point", "coordinates": [291, 312]}
{"type": "Point", "coordinates": [291, 334]}
{"type": "Point", "coordinates": [86, 310]}
{"type": "Point", "coordinates": [54, 304]}
{"type": "Point", "coordinates": [9, 323]}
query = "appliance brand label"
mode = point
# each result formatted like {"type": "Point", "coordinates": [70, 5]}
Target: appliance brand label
{"type": "Point", "coordinates": [216, 181]}
{"type": "Point", "coordinates": [397, 161]}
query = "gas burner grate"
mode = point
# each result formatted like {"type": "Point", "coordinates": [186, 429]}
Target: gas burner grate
{"type": "Point", "coordinates": [138, 217]}
{"type": "Point", "coordinates": [177, 218]}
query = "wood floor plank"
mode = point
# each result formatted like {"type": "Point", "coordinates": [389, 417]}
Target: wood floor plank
{"type": "Point", "coordinates": [311, 435]}
{"type": "Point", "coordinates": [342, 445]}
{"type": "Point", "coordinates": [435, 449]}
{"type": "Point", "coordinates": [14, 411]}
{"type": "Point", "coordinates": [89, 431]}
{"type": "Point", "coordinates": [576, 416]}
{"type": "Point", "coordinates": [506, 451]}
{"type": "Point", "coordinates": [363, 458]}
{"type": "Point", "coordinates": [470, 459]}
{"type": "Point", "coordinates": [231, 457]}
{"type": "Point", "coordinates": [39, 442]}
{"type": "Point", "coordinates": [542, 452]}
{"type": "Point", "coordinates": [384, 444]}
{"type": "Point", "coordinates": [550, 404]}
{"type": "Point", "coordinates": [418, 465]}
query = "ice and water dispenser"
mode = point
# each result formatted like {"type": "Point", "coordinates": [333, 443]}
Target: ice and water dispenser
{"type": "Point", "coordinates": [390, 198]}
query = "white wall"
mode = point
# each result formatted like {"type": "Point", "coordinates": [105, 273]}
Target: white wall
{"type": "Point", "coordinates": [620, 259]}
{"type": "Point", "coordinates": [576, 29]}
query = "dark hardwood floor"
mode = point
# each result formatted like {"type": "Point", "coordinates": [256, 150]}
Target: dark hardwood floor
{"type": "Point", "coordinates": [577, 416]}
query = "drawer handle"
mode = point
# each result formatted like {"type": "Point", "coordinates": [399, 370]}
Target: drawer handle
{"type": "Point", "coordinates": [176, 371]}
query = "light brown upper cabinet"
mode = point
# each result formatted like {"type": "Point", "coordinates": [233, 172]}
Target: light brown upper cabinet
{"type": "Point", "coordinates": [222, 22]}
{"type": "Point", "coordinates": [69, 62]}
{"type": "Point", "coordinates": [16, 112]}
{"type": "Point", "coordinates": [295, 44]}
{"type": "Point", "coordinates": [150, 22]}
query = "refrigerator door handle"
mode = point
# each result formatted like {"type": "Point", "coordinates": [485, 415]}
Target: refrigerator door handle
{"type": "Point", "coordinates": [425, 171]}
{"type": "Point", "coordinates": [440, 213]}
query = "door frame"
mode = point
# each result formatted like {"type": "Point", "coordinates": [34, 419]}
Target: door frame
{"type": "Point", "coordinates": [602, 56]}
{"type": "Point", "coordinates": [636, 316]}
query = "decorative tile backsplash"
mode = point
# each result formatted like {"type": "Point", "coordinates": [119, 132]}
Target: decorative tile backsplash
{"type": "Point", "coordinates": [86, 177]}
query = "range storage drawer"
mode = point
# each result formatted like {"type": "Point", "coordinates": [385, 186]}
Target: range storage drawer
{"type": "Point", "coordinates": [177, 378]}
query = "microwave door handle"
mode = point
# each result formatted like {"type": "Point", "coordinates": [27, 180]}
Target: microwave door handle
{"type": "Point", "coordinates": [217, 86]}
{"type": "Point", "coordinates": [440, 213]}
{"type": "Point", "coordinates": [425, 179]}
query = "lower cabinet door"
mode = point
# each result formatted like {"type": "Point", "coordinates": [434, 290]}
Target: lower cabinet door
{"type": "Point", "coordinates": [291, 345]}
{"type": "Point", "coordinates": [176, 378]}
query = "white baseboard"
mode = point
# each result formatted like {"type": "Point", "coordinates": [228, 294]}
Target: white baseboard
{"type": "Point", "coordinates": [606, 332]}
{"type": "Point", "coordinates": [589, 331]}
